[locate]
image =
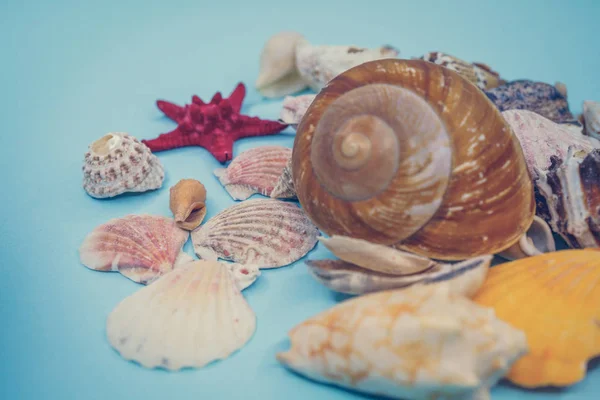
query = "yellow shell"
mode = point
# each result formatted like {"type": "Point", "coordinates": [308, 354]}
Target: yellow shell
{"type": "Point", "coordinates": [555, 299]}
{"type": "Point", "coordinates": [409, 153]}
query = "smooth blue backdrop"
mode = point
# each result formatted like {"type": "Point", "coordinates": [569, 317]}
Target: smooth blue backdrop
{"type": "Point", "coordinates": [72, 71]}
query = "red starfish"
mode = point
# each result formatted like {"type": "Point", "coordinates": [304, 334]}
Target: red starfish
{"type": "Point", "coordinates": [214, 126]}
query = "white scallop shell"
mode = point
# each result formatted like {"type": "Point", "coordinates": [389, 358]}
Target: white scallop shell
{"type": "Point", "coordinates": [118, 163]}
{"type": "Point", "coordinates": [294, 108]}
{"type": "Point", "coordinates": [265, 232]}
{"type": "Point", "coordinates": [422, 342]}
{"type": "Point", "coordinates": [284, 188]}
{"type": "Point", "coordinates": [140, 247]}
{"type": "Point", "coordinates": [591, 117]}
{"type": "Point", "coordinates": [190, 317]}
{"type": "Point", "coordinates": [244, 275]}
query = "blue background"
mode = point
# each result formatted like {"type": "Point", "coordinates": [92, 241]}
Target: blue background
{"type": "Point", "coordinates": [72, 71]}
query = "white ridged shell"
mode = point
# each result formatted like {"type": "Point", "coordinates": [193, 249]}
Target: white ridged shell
{"type": "Point", "coordinates": [284, 188]}
{"type": "Point", "coordinates": [264, 232]}
{"type": "Point", "coordinates": [294, 108]}
{"type": "Point", "coordinates": [591, 116]}
{"type": "Point", "coordinates": [189, 318]}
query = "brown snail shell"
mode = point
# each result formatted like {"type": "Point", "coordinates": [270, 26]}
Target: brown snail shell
{"type": "Point", "coordinates": [188, 203]}
{"type": "Point", "coordinates": [411, 154]}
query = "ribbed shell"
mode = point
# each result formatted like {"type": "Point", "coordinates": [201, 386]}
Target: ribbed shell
{"type": "Point", "coordinates": [188, 318]}
{"type": "Point", "coordinates": [254, 171]}
{"type": "Point", "coordinates": [555, 299]}
{"type": "Point", "coordinates": [119, 163]}
{"type": "Point", "coordinates": [140, 247]}
{"type": "Point", "coordinates": [284, 188]}
{"type": "Point", "coordinates": [294, 108]}
{"type": "Point", "coordinates": [265, 232]}
{"type": "Point", "coordinates": [489, 190]}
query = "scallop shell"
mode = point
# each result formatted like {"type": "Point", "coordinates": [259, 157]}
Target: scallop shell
{"type": "Point", "coordinates": [407, 153]}
{"type": "Point", "coordinates": [244, 275]}
{"type": "Point", "coordinates": [190, 317]}
{"type": "Point", "coordinates": [479, 74]}
{"type": "Point", "coordinates": [278, 75]}
{"type": "Point", "coordinates": [464, 278]}
{"type": "Point", "coordinates": [284, 188]}
{"type": "Point", "coordinates": [318, 65]}
{"type": "Point", "coordinates": [118, 163]}
{"type": "Point", "coordinates": [294, 108]}
{"type": "Point", "coordinates": [254, 171]}
{"type": "Point", "coordinates": [140, 247]}
{"type": "Point", "coordinates": [591, 117]}
{"type": "Point", "coordinates": [554, 298]}
{"type": "Point", "coordinates": [417, 343]}
{"type": "Point", "coordinates": [264, 232]}
{"type": "Point", "coordinates": [539, 97]}
{"type": "Point", "coordinates": [188, 203]}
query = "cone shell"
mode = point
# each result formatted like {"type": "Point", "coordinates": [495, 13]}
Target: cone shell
{"type": "Point", "coordinates": [118, 163]}
{"type": "Point", "coordinates": [419, 343]}
{"type": "Point", "coordinates": [591, 117]}
{"type": "Point", "coordinates": [555, 299]}
{"type": "Point", "coordinates": [408, 153]}
{"type": "Point", "coordinates": [140, 247]}
{"type": "Point", "coordinates": [188, 203]}
{"type": "Point", "coordinates": [254, 171]}
{"type": "Point", "coordinates": [284, 188]}
{"type": "Point", "coordinates": [479, 74]}
{"type": "Point", "coordinates": [189, 318]}
{"type": "Point", "coordinates": [264, 232]}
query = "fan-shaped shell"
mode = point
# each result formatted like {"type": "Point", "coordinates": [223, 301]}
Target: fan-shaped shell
{"type": "Point", "coordinates": [265, 232]}
{"type": "Point", "coordinates": [418, 343]}
{"type": "Point", "coordinates": [294, 108]}
{"type": "Point", "coordinates": [254, 171]}
{"type": "Point", "coordinates": [555, 299]}
{"type": "Point", "coordinates": [190, 317]}
{"type": "Point", "coordinates": [140, 247]}
{"type": "Point", "coordinates": [118, 163]}
{"type": "Point", "coordinates": [284, 188]}
{"type": "Point", "coordinates": [409, 153]}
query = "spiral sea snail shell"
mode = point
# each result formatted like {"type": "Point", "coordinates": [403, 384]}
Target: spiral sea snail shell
{"type": "Point", "coordinates": [410, 154]}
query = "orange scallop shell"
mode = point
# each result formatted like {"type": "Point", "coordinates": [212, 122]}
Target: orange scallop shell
{"type": "Point", "coordinates": [555, 299]}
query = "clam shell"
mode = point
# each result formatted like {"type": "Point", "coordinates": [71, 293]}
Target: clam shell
{"type": "Point", "coordinates": [541, 98]}
{"type": "Point", "coordinates": [318, 65]}
{"type": "Point", "coordinates": [188, 203]}
{"type": "Point", "coordinates": [264, 232]}
{"type": "Point", "coordinates": [464, 278]}
{"type": "Point", "coordinates": [591, 117]}
{"type": "Point", "coordinates": [118, 163]}
{"type": "Point", "coordinates": [284, 188]}
{"type": "Point", "coordinates": [278, 75]}
{"type": "Point", "coordinates": [555, 299]}
{"type": "Point", "coordinates": [294, 108]}
{"type": "Point", "coordinates": [417, 343]}
{"type": "Point", "coordinates": [190, 317]}
{"type": "Point", "coordinates": [140, 247]}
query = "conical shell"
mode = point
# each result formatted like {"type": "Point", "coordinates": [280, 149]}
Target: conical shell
{"type": "Point", "coordinates": [188, 203]}
{"type": "Point", "coordinates": [118, 163]}
{"type": "Point", "coordinates": [284, 188]}
{"type": "Point", "coordinates": [555, 299]}
{"type": "Point", "coordinates": [294, 108]}
{"type": "Point", "coordinates": [264, 232]}
{"type": "Point", "coordinates": [408, 153]}
{"type": "Point", "coordinates": [464, 278]}
{"type": "Point", "coordinates": [418, 343]}
{"type": "Point", "coordinates": [140, 247]}
{"type": "Point", "coordinates": [188, 318]}
{"type": "Point", "coordinates": [278, 75]}
{"type": "Point", "coordinates": [591, 117]}
{"type": "Point", "coordinates": [254, 171]}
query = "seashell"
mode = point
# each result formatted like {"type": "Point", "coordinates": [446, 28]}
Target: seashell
{"type": "Point", "coordinates": [190, 317]}
{"type": "Point", "coordinates": [265, 232]}
{"type": "Point", "coordinates": [294, 108]}
{"type": "Point", "coordinates": [539, 97]}
{"type": "Point", "coordinates": [479, 74]}
{"type": "Point", "coordinates": [422, 342]}
{"type": "Point", "coordinates": [542, 139]}
{"type": "Point", "coordinates": [537, 240]}
{"type": "Point", "coordinates": [140, 247]}
{"type": "Point", "coordinates": [591, 116]}
{"type": "Point", "coordinates": [407, 153]}
{"type": "Point", "coordinates": [278, 75]}
{"type": "Point", "coordinates": [284, 188]}
{"type": "Point", "coordinates": [569, 197]}
{"type": "Point", "coordinates": [464, 278]}
{"type": "Point", "coordinates": [554, 299]}
{"type": "Point", "coordinates": [118, 163]}
{"type": "Point", "coordinates": [188, 203]}
{"type": "Point", "coordinates": [254, 171]}
{"type": "Point", "coordinates": [244, 275]}
{"type": "Point", "coordinates": [317, 65]}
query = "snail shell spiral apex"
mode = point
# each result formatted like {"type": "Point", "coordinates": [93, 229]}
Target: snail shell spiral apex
{"type": "Point", "coordinates": [410, 154]}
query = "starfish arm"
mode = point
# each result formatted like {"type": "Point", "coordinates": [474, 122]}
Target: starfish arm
{"type": "Point", "coordinates": [170, 140]}
{"type": "Point", "coordinates": [171, 110]}
{"type": "Point", "coordinates": [253, 126]}
{"type": "Point", "coordinates": [237, 97]}
{"type": "Point", "coordinates": [221, 148]}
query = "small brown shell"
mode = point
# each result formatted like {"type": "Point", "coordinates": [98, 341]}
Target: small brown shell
{"type": "Point", "coordinates": [188, 203]}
